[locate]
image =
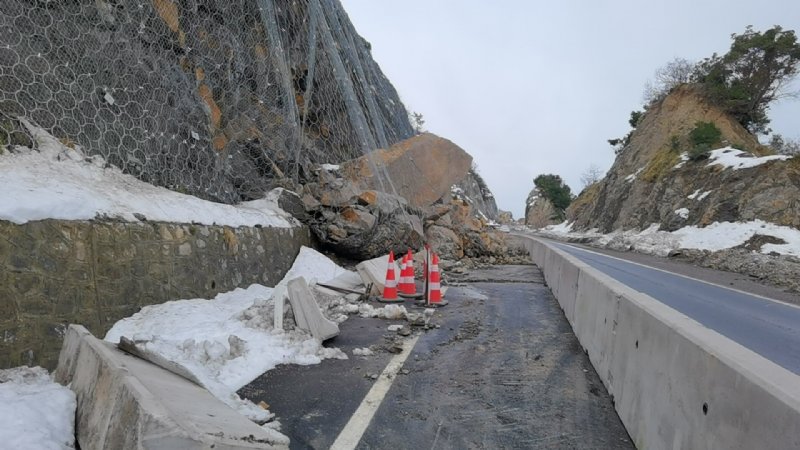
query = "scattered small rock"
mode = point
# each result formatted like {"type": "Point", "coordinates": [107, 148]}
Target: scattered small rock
{"type": "Point", "coordinates": [394, 349]}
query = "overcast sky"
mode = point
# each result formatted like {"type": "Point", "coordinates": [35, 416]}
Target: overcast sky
{"type": "Point", "coordinates": [529, 87]}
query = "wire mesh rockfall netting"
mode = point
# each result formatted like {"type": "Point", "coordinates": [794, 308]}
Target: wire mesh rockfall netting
{"type": "Point", "coordinates": [219, 99]}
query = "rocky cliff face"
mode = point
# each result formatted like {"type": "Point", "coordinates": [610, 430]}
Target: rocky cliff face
{"type": "Point", "coordinates": [474, 191]}
{"type": "Point", "coordinates": [220, 99]}
{"type": "Point", "coordinates": [652, 180]}
{"type": "Point", "coordinates": [539, 211]}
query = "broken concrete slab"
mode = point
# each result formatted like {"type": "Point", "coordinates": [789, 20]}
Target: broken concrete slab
{"type": "Point", "coordinates": [127, 402]}
{"type": "Point", "coordinates": [279, 298]}
{"type": "Point", "coordinates": [307, 313]}
{"type": "Point", "coordinates": [347, 282]}
{"type": "Point", "coordinates": [374, 271]}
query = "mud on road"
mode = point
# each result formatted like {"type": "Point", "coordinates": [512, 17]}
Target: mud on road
{"type": "Point", "coordinates": [503, 370]}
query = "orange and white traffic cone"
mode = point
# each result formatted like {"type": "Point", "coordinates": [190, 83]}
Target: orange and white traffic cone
{"type": "Point", "coordinates": [402, 287]}
{"type": "Point", "coordinates": [390, 286]}
{"type": "Point", "coordinates": [408, 287]}
{"type": "Point", "coordinates": [434, 284]}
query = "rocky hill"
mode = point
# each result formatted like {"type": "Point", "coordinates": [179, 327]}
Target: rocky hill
{"type": "Point", "coordinates": [653, 180]}
{"type": "Point", "coordinates": [539, 211]}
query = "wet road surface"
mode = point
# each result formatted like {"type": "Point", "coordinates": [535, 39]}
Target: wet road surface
{"type": "Point", "coordinates": [503, 370]}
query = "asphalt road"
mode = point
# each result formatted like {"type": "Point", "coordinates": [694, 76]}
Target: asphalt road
{"type": "Point", "coordinates": [503, 370]}
{"type": "Point", "coordinates": [768, 327]}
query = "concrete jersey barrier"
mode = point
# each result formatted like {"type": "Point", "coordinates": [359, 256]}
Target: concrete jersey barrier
{"type": "Point", "coordinates": [675, 383]}
{"type": "Point", "coordinates": [125, 402]}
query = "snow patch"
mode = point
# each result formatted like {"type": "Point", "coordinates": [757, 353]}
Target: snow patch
{"type": "Point", "coordinates": [684, 158]}
{"type": "Point", "coordinates": [730, 157]}
{"type": "Point", "coordinates": [35, 412]}
{"type": "Point", "coordinates": [722, 235]}
{"type": "Point", "coordinates": [630, 178]}
{"type": "Point", "coordinates": [564, 227]}
{"type": "Point", "coordinates": [714, 237]}
{"type": "Point", "coordinates": [330, 167]}
{"type": "Point", "coordinates": [362, 352]}
{"type": "Point", "coordinates": [696, 195]}
{"type": "Point", "coordinates": [683, 213]}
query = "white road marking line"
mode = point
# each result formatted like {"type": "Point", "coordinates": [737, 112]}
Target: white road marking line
{"type": "Point", "coordinates": [780, 302]}
{"type": "Point", "coordinates": [351, 435]}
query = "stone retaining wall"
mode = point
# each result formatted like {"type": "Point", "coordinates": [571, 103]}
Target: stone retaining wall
{"type": "Point", "coordinates": [54, 272]}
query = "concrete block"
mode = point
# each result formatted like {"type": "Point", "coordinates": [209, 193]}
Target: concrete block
{"type": "Point", "coordinates": [374, 271]}
{"type": "Point", "coordinates": [127, 402]}
{"type": "Point", "coordinates": [307, 312]}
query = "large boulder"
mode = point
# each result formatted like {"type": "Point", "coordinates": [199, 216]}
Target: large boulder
{"type": "Point", "coordinates": [360, 224]}
{"type": "Point", "coordinates": [420, 169]}
{"type": "Point", "coordinates": [445, 241]}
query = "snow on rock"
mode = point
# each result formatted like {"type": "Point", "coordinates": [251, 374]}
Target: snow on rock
{"type": "Point", "coordinates": [630, 178]}
{"type": "Point", "coordinates": [684, 159]}
{"type": "Point", "coordinates": [330, 167]}
{"type": "Point", "coordinates": [730, 157]}
{"type": "Point", "coordinates": [35, 412]}
{"type": "Point", "coordinates": [59, 182]}
{"type": "Point", "coordinates": [683, 213]}
{"type": "Point", "coordinates": [696, 195]}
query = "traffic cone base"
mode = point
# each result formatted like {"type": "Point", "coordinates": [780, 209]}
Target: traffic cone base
{"type": "Point", "coordinates": [415, 295]}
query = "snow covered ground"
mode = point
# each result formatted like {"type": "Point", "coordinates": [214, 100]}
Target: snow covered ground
{"type": "Point", "coordinates": [59, 182]}
{"type": "Point", "coordinates": [35, 412]}
{"type": "Point", "coordinates": [714, 237]}
{"type": "Point", "coordinates": [221, 345]}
